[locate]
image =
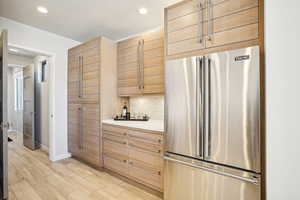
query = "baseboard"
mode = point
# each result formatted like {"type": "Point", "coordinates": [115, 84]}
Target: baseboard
{"type": "Point", "coordinates": [60, 157]}
{"type": "Point", "coordinates": [44, 148]}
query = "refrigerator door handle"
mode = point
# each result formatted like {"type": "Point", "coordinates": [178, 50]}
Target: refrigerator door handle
{"type": "Point", "coordinates": [249, 180]}
{"type": "Point", "coordinates": [200, 106]}
{"type": "Point", "coordinates": [208, 110]}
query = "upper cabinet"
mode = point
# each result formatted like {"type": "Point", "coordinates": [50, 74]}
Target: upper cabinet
{"type": "Point", "coordinates": [141, 65]}
{"type": "Point", "coordinates": [84, 72]}
{"type": "Point", "coordinates": [208, 25]}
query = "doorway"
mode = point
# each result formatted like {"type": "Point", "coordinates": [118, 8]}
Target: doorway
{"type": "Point", "coordinates": [28, 98]}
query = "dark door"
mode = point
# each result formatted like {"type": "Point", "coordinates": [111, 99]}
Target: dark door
{"type": "Point", "coordinates": [3, 116]}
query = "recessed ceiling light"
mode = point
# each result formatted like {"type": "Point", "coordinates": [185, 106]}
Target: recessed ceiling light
{"type": "Point", "coordinates": [143, 11]}
{"type": "Point", "coordinates": [42, 9]}
{"type": "Point", "coordinates": [14, 50]}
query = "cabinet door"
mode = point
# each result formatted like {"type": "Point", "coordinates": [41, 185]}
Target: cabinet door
{"type": "Point", "coordinates": [74, 75]}
{"type": "Point", "coordinates": [74, 128]}
{"type": "Point", "coordinates": [185, 27]}
{"type": "Point", "coordinates": [153, 63]}
{"type": "Point", "coordinates": [231, 22]}
{"type": "Point", "coordinates": [90, 119]}
{"type": "Point", "coordinates": [129, 77]}
{"type": "Point", "coordinates": [116, 165]}
{"type": "Point", "coordinates": [146, 175]}
{"type": "Point", "coordinates": [90, 63]}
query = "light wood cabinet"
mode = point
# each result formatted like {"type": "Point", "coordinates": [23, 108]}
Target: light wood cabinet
{"type": "Point", "coordinates": [199, 26]}
{"type": "Point", "coordinates": [141, 65]}
{"type": "Point", "coordinates": [88, 63]}
{"type": "Point", "coordinates": [136, 154]}
{"type": "Point", "coordinates": [74, 128]}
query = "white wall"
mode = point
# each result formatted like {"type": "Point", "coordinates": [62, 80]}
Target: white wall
{"type": "Point", "coordinates": [19, 60]}
{"type": "Point", "coordinates": [20, 35]}
{"type": "Point", "coordinates": [283, 99]}
{"type": "Point", "coordinates": [153, 106]}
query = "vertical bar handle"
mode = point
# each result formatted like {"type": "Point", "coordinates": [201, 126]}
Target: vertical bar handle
{"type": "Point", "coordinates": [210, 23]}
{"type": "Point", "coordinates": [201, 22]}
{"type": "Point", "coordinates": [142, 63]}
{"type": "Point", "coordinates": [200, 118]}
{"type": "Point", "coordinates": [79, 76]}
{"type": "Point", "coordinates": [208, 154]}
{"type": "Point", "coordinates": [79, 124]}
{"type": "Point", "coordinates": [82, 76]}
{"type": "Point", "coordinates": [139, 63]}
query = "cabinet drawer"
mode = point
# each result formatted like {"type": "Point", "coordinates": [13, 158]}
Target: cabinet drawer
{"type": "Point", "coordinates": [145, 156]}
{"type": "Point", "coordinates": [115, 129]}
{"type": "Point", "coordinates": [115, 137]}
{"type": "Point", "coordinates": [145, 146]}
{"type": "Point", "coordinates": [146, 175]}
{"type": "Point", "coordinates": [116, 165]}
{"type": "Point", "coordinates": [146, 137]}
{"type": "Point", "coordinates": [115, 149]}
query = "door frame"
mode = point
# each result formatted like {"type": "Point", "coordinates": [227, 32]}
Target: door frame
{"type": "Point", "coordinates": [51, 63]}
{"type": "Point", "coordinates": [4, 192]}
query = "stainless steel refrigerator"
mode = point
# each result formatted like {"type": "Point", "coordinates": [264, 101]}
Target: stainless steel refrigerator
{"type": "Point", "coordinates": [212, 125]}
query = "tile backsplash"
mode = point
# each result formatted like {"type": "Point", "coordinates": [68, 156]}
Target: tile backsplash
{"type": "Point", "coordinates": [150, 105]}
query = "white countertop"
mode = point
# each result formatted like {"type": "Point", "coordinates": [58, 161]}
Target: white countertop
{"type": "Point", "coordinates": [152, 125]}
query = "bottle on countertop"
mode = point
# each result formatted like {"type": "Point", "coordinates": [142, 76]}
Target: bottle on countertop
{"type": "Point", "coordinates": [125, 110]}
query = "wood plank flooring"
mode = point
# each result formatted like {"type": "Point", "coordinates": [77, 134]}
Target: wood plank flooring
{"type": "Point", "coordinates": [32, 176]}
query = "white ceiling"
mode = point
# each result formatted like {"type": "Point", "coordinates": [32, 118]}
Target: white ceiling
{"type": "Point", "coordinates": [84, 19]}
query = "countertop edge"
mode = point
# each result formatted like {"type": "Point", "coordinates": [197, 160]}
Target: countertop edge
{"type": "Point", "coordinates": [132, 127]}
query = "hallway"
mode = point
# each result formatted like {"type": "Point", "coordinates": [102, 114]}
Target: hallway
{"type": "Point", "coordinates": [33, 177]}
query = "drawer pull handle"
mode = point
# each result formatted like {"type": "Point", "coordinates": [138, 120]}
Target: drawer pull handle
{"type": "Point", "coordinates": [124, 134]}
{"type": "Point", "coordinates": [145, 149]}
{"type": "Point", "coordinates": [125, 161]}
{"type": "Point", "coordinates": [159, 173]}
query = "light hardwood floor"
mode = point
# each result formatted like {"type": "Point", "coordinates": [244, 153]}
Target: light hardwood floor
{"type": "Point", "coordinates": [33, 177]}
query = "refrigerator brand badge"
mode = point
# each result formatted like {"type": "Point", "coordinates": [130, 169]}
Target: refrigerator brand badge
{"type": "Point", "coordinates": [241, 58]}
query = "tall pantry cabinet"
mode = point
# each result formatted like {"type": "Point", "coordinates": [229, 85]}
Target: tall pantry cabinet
{"type": "Point", "coordinates": [91, 83]}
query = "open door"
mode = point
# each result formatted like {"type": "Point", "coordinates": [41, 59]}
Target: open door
{"type": "Point", "coordinates": [4, 125]}
{"type": "Point", "coordinates": [29, 138]}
